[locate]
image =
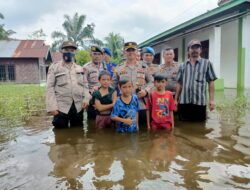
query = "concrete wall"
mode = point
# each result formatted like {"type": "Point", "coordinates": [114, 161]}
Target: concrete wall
{"type": "Point", "coordinates": [246, 45]}
{"type": "Point", "coordinates": [229, 54]}
{"type": "Point", "coordinates": [224, 56]}
{"type": "Point", "coordinates": [202, 35]}
{"type": "Point", "coordinates": [175, 43]}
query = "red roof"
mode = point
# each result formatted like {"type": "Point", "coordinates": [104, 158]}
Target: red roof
{"type": "Point", "coordinates": [31, 49]}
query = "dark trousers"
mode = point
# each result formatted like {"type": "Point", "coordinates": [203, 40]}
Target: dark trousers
{"type": "Point", "coordinates": [192, 112]}
{"type": "Point", "coordinates": [91, 112]}
{"type": "Point", "coordinates": [142, 118]}
{"type": "Point", "coordinates": [62, 120]}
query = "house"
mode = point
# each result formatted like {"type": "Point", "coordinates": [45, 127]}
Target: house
{"type": "Point", "coordinates": [224, 32]}
{"type": "Point", "coordinates": [24, 61]}
{"type": "Point", "coordinates": [57, 56]}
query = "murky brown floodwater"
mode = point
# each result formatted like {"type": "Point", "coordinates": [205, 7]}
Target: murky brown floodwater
{"type": "Point", "coordinates": [212, 155]}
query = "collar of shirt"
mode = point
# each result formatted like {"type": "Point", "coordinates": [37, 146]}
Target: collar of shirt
{"type": "Point", "coordinates": [98, 65]}
{"type": "Point", "coordinates": [189, 61]}
{"type": "Point", "coordinates": [130, 65]}
{"type": "Point", "coordinates": [67, 65]}
{"type": "Point", "coordinates": [166, 66]}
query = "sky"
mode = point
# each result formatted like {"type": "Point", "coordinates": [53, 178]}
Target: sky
{"type": "Point", "coordinates": [135, 20]}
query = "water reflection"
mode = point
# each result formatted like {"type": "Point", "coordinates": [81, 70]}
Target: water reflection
{"type": "Point", "coordinates": [210, 155]}
{"type": "Point", "coordinates": [242, 137]}
{"type": "Point", "coordinates": [105, 159]}
{"type": "Point", "coordinates": [70, 151]}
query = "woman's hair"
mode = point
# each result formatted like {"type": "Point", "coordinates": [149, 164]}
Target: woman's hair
{"type": "Point", "coordinates": [123, 81]}
{"type": "Point", "coordinates": [102, 73]}
{"type": "Point", "coordinates": [160, 77]}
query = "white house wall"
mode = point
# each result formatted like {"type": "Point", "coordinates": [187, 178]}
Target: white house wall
{"type": "Point", "coordinates": [202, 35]}
{"type": "Point", "coordinates": [246, 45]}
{"type": "Point", "coordinates": [229, 51]}
{"type": "Point", "coordinates": [176, 43]}
{"type": "Point", "coordinates": [225, 65]}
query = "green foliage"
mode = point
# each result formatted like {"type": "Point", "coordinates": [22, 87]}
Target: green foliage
{"type": "Point", "coordinates": [38, 34]}
{"type": "Point", "coordinates": [75, 31]}
{"type": "Point", "coordinates": [240, 104]}
{"type": "Point", "coordinates": [117, 61]}
{"type": "Point", "coordinates": [82, 57]}
{"type": "Point", "coordinates": [19, 102]}
{"type": "Point", "coordinates": [115, 43]}
{"type": "Point", "coordinates": [4, 34]}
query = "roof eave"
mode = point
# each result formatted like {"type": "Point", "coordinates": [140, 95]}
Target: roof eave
{"type": "Point", "coordinates": [199, 18]}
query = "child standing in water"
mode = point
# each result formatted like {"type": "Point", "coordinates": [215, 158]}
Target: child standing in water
{"type": "Point", "coordinates": [160, 105]}
{"type": "Point", "coordinates": [104, 99]}
{"type": "Point", "coordinates": [125, 111]}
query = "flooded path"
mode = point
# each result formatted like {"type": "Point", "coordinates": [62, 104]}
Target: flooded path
{"type": "Point", "coordinates": [211, 155]}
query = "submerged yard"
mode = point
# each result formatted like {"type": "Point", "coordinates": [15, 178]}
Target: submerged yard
{"type": "Point", "coordinates": [210, 155]}
{"type": "Point", "coordinates": [19, 102]}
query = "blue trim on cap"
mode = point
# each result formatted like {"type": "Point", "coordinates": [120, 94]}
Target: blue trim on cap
{"type": "Point", "coordinates": [107, 51]}
{"type": "Point", "coordinates": [148, 50]}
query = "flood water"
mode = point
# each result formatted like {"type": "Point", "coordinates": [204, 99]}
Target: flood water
{"type": "Point", "coordinates": [211, 155]}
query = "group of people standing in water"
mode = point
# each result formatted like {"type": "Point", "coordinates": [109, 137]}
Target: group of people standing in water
{"type": "Point", "coordinates": [135, 93]}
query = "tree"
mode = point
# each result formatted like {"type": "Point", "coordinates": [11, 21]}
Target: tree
{"type": "Point", "coordinates": [75, 31]}
{"type": "Point", "coordinates": [4, 34]}
{"type": "Point", "coordinates": [115, 43]}
{"type": "Point", "coordinates": [82, 57]}
{"type": "Point", "coordinates": [38, 34]}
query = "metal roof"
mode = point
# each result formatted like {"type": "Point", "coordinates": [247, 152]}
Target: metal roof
{"type": "Point", "coordinates": [8, 47]}
{"type": "Point", "coordinates": [23, 49]}
{"type": "Point", "coordinates": [213, 14]}
{"type": "Point", "coordinates": [31, 49]}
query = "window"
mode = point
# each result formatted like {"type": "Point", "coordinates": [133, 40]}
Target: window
{"type": "Point", "coordinates": [2, 73]}
{"type": "Point", "coordinates": [7, 73]}
{"type": "Point", "coordinates": [176, 55]}
{"type": "Point", "coordinates": [11, 72]}
{"type": "Point", "coordinates": [205, 49]}
{"type": "Point", "coordinates": [157, 59]}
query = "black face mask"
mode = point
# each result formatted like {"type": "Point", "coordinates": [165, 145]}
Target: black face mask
{"type": "Point", "coordinates": [68, 57]}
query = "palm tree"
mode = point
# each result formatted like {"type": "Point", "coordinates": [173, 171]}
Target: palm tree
{"type": "Point", "coordinates": [75, 31]}
{"type": "Point", "coordinates": [4, 34]}
{"type": "Point", "coordinates": [115, 43]}
{"type": "Point", "coordinates": [38, 34]}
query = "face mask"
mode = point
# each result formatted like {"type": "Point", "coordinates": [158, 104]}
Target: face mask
{"type": "Point", "coordinates": [68, 56]}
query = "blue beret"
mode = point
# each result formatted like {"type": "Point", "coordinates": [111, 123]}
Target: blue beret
{"type": "Point", "coordinates": [148, 50]}
{"type": "Point", "coordinates": [107, 51]}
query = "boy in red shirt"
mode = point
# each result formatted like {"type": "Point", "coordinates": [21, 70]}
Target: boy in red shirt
{"type": "Point", "coordinates": [160, 105]}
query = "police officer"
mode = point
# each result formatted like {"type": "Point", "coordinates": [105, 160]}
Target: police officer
{"type": "Point", "coordinates": [67, 94]}
{"type": "Point", "coordinates": [91, 72]}
{"type": "Point", "coordinates": [170, 69]}
{"type": "Point", "coordinates": [135, 71]}
{"type": "Point", "coordinates": [148, 54]}
{"type": "Point", "coordinates": [108, 65]}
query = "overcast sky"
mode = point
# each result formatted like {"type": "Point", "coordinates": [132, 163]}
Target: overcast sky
{"type": "Point", "coordinates": [135, 20]}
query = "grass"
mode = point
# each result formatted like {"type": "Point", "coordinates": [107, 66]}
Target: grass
{"type": "Point", "coordinates": [19, 102]}
{"type": "Point", "coordinates": [239, 103]}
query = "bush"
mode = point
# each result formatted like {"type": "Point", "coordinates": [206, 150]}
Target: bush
{"type": "Point", "coordinates": [82, 57]}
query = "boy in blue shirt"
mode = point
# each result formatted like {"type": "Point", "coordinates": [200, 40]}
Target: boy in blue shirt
{"type": "Point", "coordinates": [126, 108]}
